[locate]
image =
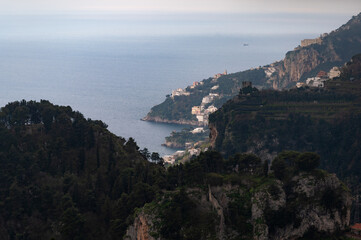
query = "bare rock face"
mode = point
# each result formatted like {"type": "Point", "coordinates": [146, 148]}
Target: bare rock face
{"type": "Point", "coordinates": [335, 49]}
{"type": "Point", "coordinates": [140, 230]}
{"type": "Point", "coordinates": [320, 204]}
{"type": "Point", "coordinates": [213, 134]}
{"type": "Point", "coordinates": [298, 62]}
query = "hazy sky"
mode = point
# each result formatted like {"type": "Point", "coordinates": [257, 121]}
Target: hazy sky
{"type": "Point", "coordinates": [224, 6]}
{"type": "Point", "coordinates": [46, 18]}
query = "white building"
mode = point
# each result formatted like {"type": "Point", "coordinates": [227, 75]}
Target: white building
{"type": "Point", "coordinates": [169, 159]}
{"type": "Point", "coordinates": [197, 110]}
{"type": "Point", "coordinates": [180, 92]}
{"type": "Point", "coordinates": [300, 84]}
{"type": "Point", "coordinates": [315, 82]}
{"type": "Point", "coordinates": [211, 109]}
{"type": "Point", "coordinates": [215, 87]}
{"type": "Point", "coordinates": [179, 154]}
{"type": "Point", "coordinates": [200, 117]}
{"type": "Point", "coordinates": [207, 99]}
{"type": "Point", "coordinates": [197, 130]}
{"type": "Point", "coordinates": [334, 72]}
{"type": "Point", "coordinates": [269, 71]}
{"type": "Point", "coordinates": [194, 151]}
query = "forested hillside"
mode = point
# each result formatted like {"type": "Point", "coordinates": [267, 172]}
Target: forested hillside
{"type": "Point", "coordinates": [65, 177]}
{"type": "Point", "coordinates": [238, 198]}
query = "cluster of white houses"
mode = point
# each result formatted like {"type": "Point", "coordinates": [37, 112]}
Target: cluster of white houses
{"type": "Point", "coordinates": [201, 112]}
{"type": "Point", "coordinates": [320, 79]}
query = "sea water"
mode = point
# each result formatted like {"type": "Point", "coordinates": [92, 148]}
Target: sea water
{"type": "Point", "coordinates": [117, 77]}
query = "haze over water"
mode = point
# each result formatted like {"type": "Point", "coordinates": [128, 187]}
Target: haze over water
{"type": "Point", "coordinates": [116, 67]}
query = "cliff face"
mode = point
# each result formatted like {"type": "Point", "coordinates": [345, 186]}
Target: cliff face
{"type": "Point", "coordinates": [311, 213]}
{"type": "Point", "coordinates": [298, 63]}
{"type": "Point", "coordinates": [140, 229]}
{"type": "Point", "coordinates": [335, 49]}
{"type": "Point", "coordinates": [276, 210]}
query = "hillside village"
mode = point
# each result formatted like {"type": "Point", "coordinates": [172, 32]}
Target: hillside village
{"type": "Point", "coordinates": [206, 107]}
{"type": "Point", "coordinates": [320, 79]}
{"type": "Point", "coordinates": [202, 111]}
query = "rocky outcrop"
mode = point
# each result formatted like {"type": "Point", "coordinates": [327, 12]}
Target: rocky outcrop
{"type": "Point", "coordinates": [303, 61]}
{"type": "Point", "coordinates": [334, 50]}
{"type": "Point", "coordinates": [173, 145]}
{"type": "Point", "coordinates": [322, 204]}
{"type": "Point", "coordinates": [308, 202]}
{"type": "Point", "coordinates": [140, 229]}
{"type": "Point", "coordinates": [179, 121]}
{"type": "Point", "coordinates": [213, 134]}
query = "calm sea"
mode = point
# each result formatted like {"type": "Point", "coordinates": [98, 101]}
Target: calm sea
{"type": "Point", "coordinates": [118, 78]}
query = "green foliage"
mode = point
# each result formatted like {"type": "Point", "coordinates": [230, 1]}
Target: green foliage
{"type": "Point", "coordinates": [307, 161]}
{"type": "Point", "coordinates": [248, 163]}
{"type": "Point", "coordinates": [179, 139]}
{"type": "Point", "coordinates": [181, 219]}
{"type": "Point", "coordinates": [214, 179]}
{"type": "Point", "coordinates": [280, 218]}
{"type": "Point", "coordinates": [331, 199]}
{"type": "Point", "coordinates": [71, 176]}
{"type": "Point", "coordinates": [239, 214]}
{"type": "Point", "coordinates": [179, 107]}
{"type": "Point", "coordinates": [352, 70]}
{"type": "Point", "coordinates": [279, 168]}
{"type": "Point", "coordinates": [60, 172]}
{"type": "Point", "coordinates": [325, 121]}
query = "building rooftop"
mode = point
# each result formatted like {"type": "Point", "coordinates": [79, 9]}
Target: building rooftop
{"type": "Point", "coordinates": [356, 226]}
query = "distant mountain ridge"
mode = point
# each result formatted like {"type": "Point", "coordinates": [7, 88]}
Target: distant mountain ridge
{"type": "Point", "coordinates": [333, 49]}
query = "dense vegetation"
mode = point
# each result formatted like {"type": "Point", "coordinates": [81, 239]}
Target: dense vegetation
{"type": "Point", "coordinates": [65, 177]}
{"type": "Point", "coordinates": [184, 213]}
{"type": "Point", "coordinates": [323, 120]}
{"type": "Point", "coordinates": [180, 139]}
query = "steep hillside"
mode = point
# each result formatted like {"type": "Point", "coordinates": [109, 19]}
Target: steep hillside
{"type": "Point", "coordinates": [237, 199]}
{"type": "Point", "coordinates": [65, 177]}
{"type": "Point", "coordinates": [324, 120]}
{"type": "Point", "coordinates": [333, 49]}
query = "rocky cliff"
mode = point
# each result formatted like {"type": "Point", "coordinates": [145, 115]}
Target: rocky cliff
{"type": "Point", "coordinates": [305, 216]}
{"type": "Point", "coordinates": [307, 204]}
{"type": "Point", "coordinates": [140, 229]}
{"type": "Point", "coordinates": [335, 49]}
